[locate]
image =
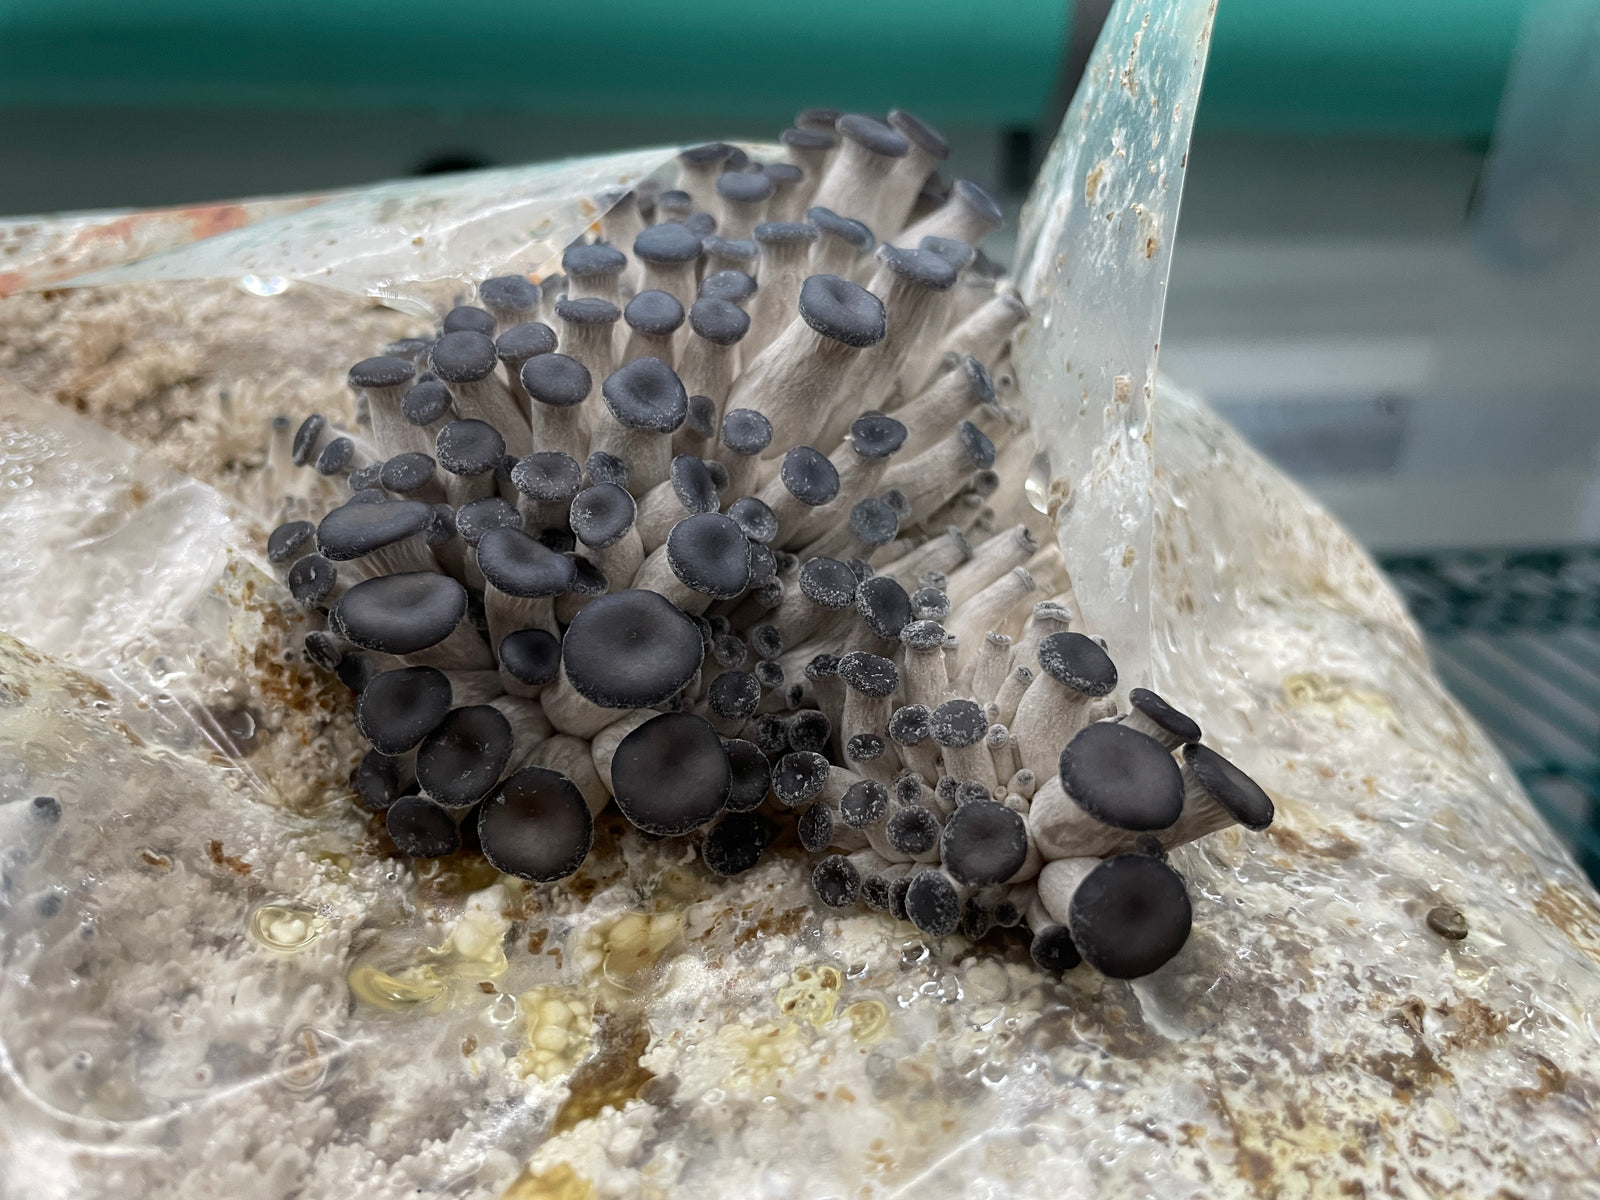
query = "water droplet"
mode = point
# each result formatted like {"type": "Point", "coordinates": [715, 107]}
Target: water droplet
{"type": "Point", "coordinates": [868, 1019]}
{"type": "Point", "coordinates": [264, 285]}
{"type": "Point", "coordinates": [285, 926]}
{"type": "Point", "coordinates": [855, 970]}
{"type": "Point", "coordinates": [304, 1063]}
{"type": "Point", "coordinates": [504, 1009]}
{"type": "Point", "coordinates": [992, 1073]}
{"type": "Point", "coordinates": [913, 952]}
{"type": "Point", "coordinates": [1037, 484]}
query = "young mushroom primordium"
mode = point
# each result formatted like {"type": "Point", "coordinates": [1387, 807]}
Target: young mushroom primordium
{"type": "Point", "coordinates": [715, 525]}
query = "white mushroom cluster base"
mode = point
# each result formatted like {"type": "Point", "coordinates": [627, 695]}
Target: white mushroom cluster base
{"type": "Point", "coordinates": [725, 524]}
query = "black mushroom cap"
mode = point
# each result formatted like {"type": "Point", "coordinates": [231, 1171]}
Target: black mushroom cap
{"type": "Point", "coordinates": [322, 650]}
{"type": "Point", "coordinates": [523, 342]}
{"type": "Point", "coordinates": [587, 579]}
{"type": "Point", "coordinates": [783, 174]}
{"type": "Point", "coordinates": [668, 242]}
{"type": "Point", "coordinates": [646, 394]}
{"type": "Point", "coordinates": [751, 775]}
{"type": "Point", "coordinates": [884, 606]}
{"type": "Point", "coordinates": [1164, 716]}
{"type": "Point", "coordinates": [461, 759]}
{"type": "Point", "coordinates": [675, 203]}
{"type": "Point", "coordinates": [463, 356]}
{"type": "Point", "coordinates": [815, 827]}
{"type": "Point", "coordinates": [957, 253]}
{"type": "Point", "coordinates": [1230, 787]}
{"type": "Point", "coordinates": [399, 614]}
{"type": "Point", "coordinates": [466, 317]}
{"type": "Point", "coordinates": [874, 522]}
{"type": "Point", "coordinates": [548, 477]}
{"type": "Point", "coordinates": [365, 480]}
{"type": "Point", "coordinates": [977, 198]}
{"type": "Point", "coordinates": [631, 649]}
{"type": "Point", "coordinates": [873, 134]}
{"type": "Point", "coordinates": [556, 379]}
{"type": "Point", "coordinates": [601, 515]}
{"type": "Point", "coordinates": [922, 268]}
{"type": "Point", "coordinates": [745, 431]}
{"type": "Point", "coordinates": [720, 322]}
{"type": "Point", "coordinates": [808, 138]}
{"type": "Point", "coordinates": [932, 904]}
{"type": "Point", "coordinates": [843, 311]}
{"type": "Point", "coordinates": [864, 803]}
{"type": "Point", "coordinates": [1130, 915]}
{"type": "Point", "coordinates": [809, 730]}
{"type": "Point", "coordinates": [519, 565]}
{"type": "Point", "coordinates": [875, 435]}
{"type": "Point", "coordinates": [769, 675]}
{"type": "Point", "coordinates": [654, 312]}
{"type": "Point", "coordinates": [421, 829]}
{"type": "Point", "coordinates": [385, 371]}
{"type": "Point", "coordinates": [706, 154]}
{"type": "Point", "coordinates": [836, 880]}
{"type": "Point", "coordinates": [512, 293]}
{"type": "Point", "coordinates": [427, 403]}
{"type": "Point", "coordinates": [307, 437]}
{"type": "Point", "coordinates": [693, 485]}
{"type": "Point", "coordinates": [983, 843]}
{"type": "Point", "coordinates": [734, 844]}
{"type": "Point", "coordinates": [744, 187]}
{"type": "Point", "coordinates": [479, 517]}
{"type": "Point", "coordinates": [1077, 661]}
{"type": "Point", "coordinates": [311, 579]}
{"type": "Point", "coordinates": [469, 447]}
{"type": "Point", "coordinates": [709, 553]}
{"type": "Point", "coordinates": [930, 604]}
{"type": "Point", "coordinates": [536, 826]}
{"type": "Point", "coordinates": [289, 541]}
{"type": "Point", "coordinates": [828, 582]}
{"type": "Point", "coordinates": [1052, 949]}
{"type": "Point", "coordinates": [846, 229]}
{"type": "Point", "coordinates": [911, 724]}
{"type": "Point", "coordinates": [408, 472]}
{"type": "Point", "coordinates": [671, 774]}
{"type": "Point", "coordinates": [702, 225]}
{"type": "Point", "coordinates": [1122, 777]}
{"type": "Point", "coordinates": [976, 443]}
{"type": "Point", "coordinates": [336, 456]}
{"type": "Point", "coordinates": [377, 781]}
{"type": "Point", "coordinates": [919, 133]}
{"type": "Point", "coordinates": [913, 830]}
{"type": "Point", "coordinates": [959, 723]}
{"type": "Point", "coordinates": [734, 695]}
{"type": "Point", "coordinates": [786, 233]}
{"type": "Point", "coordinates": [398, 708]}
{"type": "Point", "coordinates": [701, 420]}
{"type": "Point", "coordinates": [601, 467]}
{"type": "Point", "coordinates": [760, 523]}
{"type": "Point", "coordinates": [531, 656]}
{"type": "Point", "coordinates": [869, 674]}
{"type": "Point", "coordinates": [593, 260]}
{"type": "Point", "coordinates": [799, 776]}
{"type": "Point", "coordinates": [809, 476]}
{"type": "Point", "coordinates": [731, 285]}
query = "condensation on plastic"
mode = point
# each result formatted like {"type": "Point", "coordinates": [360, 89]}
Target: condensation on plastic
{"type": "Point", "coordinates": [1093, 257]}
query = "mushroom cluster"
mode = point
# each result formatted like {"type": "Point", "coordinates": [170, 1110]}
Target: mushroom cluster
{"type": "Point", "coordinates": [716, 524]}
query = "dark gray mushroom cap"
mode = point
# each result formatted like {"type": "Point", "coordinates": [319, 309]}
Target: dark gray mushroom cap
{"type": "Point", "coordinates": [873, 135]}
{"type": "Point", "coordinates": [549, 477]}
{"type": "Point", "coordinates": [911, 724]}
{"type": "Point", "coordinates": [720, 251]}
{"type": "Point", "coordinates": [519, 565]}
{"type": "Point", "coordinates": [924, 635]}
{"type": "Point", "coordinates": [864, 803]}
{"type": "Point", "coordinates": [836, 881]}
{"type": "Point", "coordinates": [398, 708]}
{"type": "Point", "coordinates": [730, 285]}
{"type": "Point", "coordinates": [874, 435]}
{"type": "Point", "coordinates": [976, 443]}
{"type": "Point", "coordinates": [322, 650]}
{"type": "Point", "coordinates": [930, 604]}
{"type": "Point", "coordinates": [336, 456]}
{"type": "Point", "coordinates": [510, 293]}
{"type": "Point", "coordinates": [752, 776]}
{"type": "Point", "coordinates": [289, 541]}
{"type": "Point", "coordinates": [1122, 777]}
{"type": "Point", "coordinates": [1077, 661]}
{"type": "Point", "coordinates": [427, 403]}
{"type": "Point", "coordinates": [829, 583]}
{"type": "Point", "coordinates": [536, 826]}
{"type": "Point", "coordinates": [587, 579]}
{"type": "Point", "coordinates": [809, 476]}
{"type": "Point", "coordinates": [377, 781]}
{"type": "Point", "coordinates": [744, 187]}
{"type": "Point", "coordinates": [311, 579]}
{"type": "Point", "coordinates": [467, 317]}
{"type": "Point", "coordinates": [846, 229]}
{"type": "Point", "coordinates": [919, 133]}
{"type": "Point", "coordinates": [954, 251]}
{"type": "Point", "coordinates": [701, 420]}
{"type": "Point", "coordinates": [523, 342]}
{"type": "Point", "coordinates": [464, 356]}
{"type": "Point", "coordinates": [1129, 916]}
{"type": "Point", "coordinates": [385, 371]}
{"type": "Point", "coordinates": [783, 175]}
{"type": "Point", "coordinates": [975, 197]}
{"type": "Point", "coordinates": [671, 774]}
{"type": "Point", "coordinates": [913, 830]}
{"type": "Point", "coordinates": [556, 379]}
{"type": "Point", "coordinates": [874, 522]}
{"type": "Point", "coordinates": [420, 828]}
{"type": "Point", "coordinates": [720, 322]}
{"type": "Point", "coordinates": [983, 843]}
{"type": "Point", "coordinates": [704, 155]}
{"type": "Point", "coordinates": [407, 473]}
{"type": "Point", "coordinates": [307, 437]}
{"type": "Point", "coordinates": [588, 311]}
{"type": "Point", "coordinates": [478, 517]}
{"type": "Point", "coordinates": [734, 844]}
{"type": "Point", "coordinates": [701, 224]}
{"type": "Point", "coordinates": [355, 528]}
{"type": "Point", "coordinates": [1230, 787]}
{"type": "Point", "coordinates": [668, 242]}
{"type": "Point", "coordinates": [469, 447]}
{"type": "Point", "coordinates": [864, 747]}
{"type": "Point", "coordinates": [531, 656]}
{"type": "Point", "coordinates": [692, 484]}
{"type": "Point", "coordinates": [654, 313]}
{"type": "Point", "coordinates": [745, 431]}
{"type": "Point", "coordinates": [883, 605]}
{"type": "Point", "coordinates": [932, 904]}
{"type": "Point", "coordinates": [760, 523]}
{"type": "Point", "coordinates": [786, 233]}
{"type": "Point", "coordinates": [601, 467]}
{"type": "Point", "coordinates": [631, 649]}
{"type": "Point", "coordinates": [646, 394]}
{"type": "Point", "coordinates": [675, 203]}
{"type": "Point", "coordinates": [1052, 949]}
{"type": "Point", "coordinates": [843, 311]}
{"type": "Point", "coordinates": [1164, 716]}
{"type": "Point", "coordinates": [601, 515]}
{"type": "Point", "coordinates": [399, 614]}
{"type": "Point", "coordinates": [709, 553]}
{"type": "Point", "coordinates": [734, 695]}
{"type": "Point", "coordinates": [869, 674]}
{"type": "Point", "coordinates": [414, 350]}
{"type": "Point", "coordinates": [809, 730]}
{"type": "Point", "coordinates": [799, 776]}
{"type": "Point", "coordinates": [920, 268]}
{"type": "Point", "coordinates": [461, 758]}
{"type": "Point", "coordinates": [593, 261]}
{"type": "Point", "coordinates": [815, 827]}
{"type": "Point", "coordinates": [808, 139]}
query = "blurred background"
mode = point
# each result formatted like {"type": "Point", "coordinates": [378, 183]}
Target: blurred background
{"type": "Point", "coordinates": [1386, 275]}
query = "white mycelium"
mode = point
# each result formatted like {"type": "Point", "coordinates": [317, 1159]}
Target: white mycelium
{"type": "Point", "coordinates": [722, 540]}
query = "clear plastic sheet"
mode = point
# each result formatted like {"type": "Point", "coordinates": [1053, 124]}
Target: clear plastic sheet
{"type": "Point", "coordinates": [215, 983]}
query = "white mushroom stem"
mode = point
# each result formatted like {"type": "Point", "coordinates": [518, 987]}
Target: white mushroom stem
{"type": "Point", "coordinates": [1002, 752]}
{"type": "Point", "coordinates": [911, 309]}
{"type": "Point", "coordinates": [1023, 784]}
{"type": "Point", "coordinates": [708, 369]}
{"type": "Point", "coordinates": [620, 561]}
{"type": "Point", "coordinates": [397, 558]}
{"type": "Point", "coordinates": [1057, 883]}
{"type": "Point", "coordinates": [464, 489]}
{"type": "Point", "coordinates": [924, 677]}
{"type": "Point", "coordinates": [593, 343]}
{"type": "Point", "coordinates": [987, 668]}
{"type": "Point", "coordinates": [942, 553]}
{"type": "Point", "coordinates": [639, 344]}
{"type": "Point", "coordinates": [853, 179]}
{"type": "Point", "coordinates": [1064, 830]}
{"type": "Point", "coordinates": [1048, 617]}
{"type": "Point", "coordinates": [647, 452]}
{"type": "Point", "coordinates": [933, 476]}
{"type": "Point", "coordinates": [474, 687]}
{"type": "Point", "coordinates": [462, 650]}
{"type": "Point", "coordinates": [488, 400]}
{"type": "Point", "coordinates": [604, 747]}
{"type": "Point", "coordinates": [508, 613]}
{"type": "Point", "coordinates": [572, 713]}
{"type": "Point", "coordinates": [793, 381]}
{"type": "Point", "coordinates": [970, 764]}
{"type": "Point", "coordinates": [990, 560]}
{"type": "Point", "coordinates": [1134, 719]}
{"type": "Point", "coordinates": [784, 265]}
{"type": "Point", "coordinates": [619, 225]}
{"type": "Point", "coordinates": [391, 432]}
{"type": "Point", "coordinates": [655, 574]}
{"type": "Point", "coordinates": [922, 758]}
{"type": "Point", "coordinates": [571, 757]}
{"type": "Point", "coordinates": [984, 332]}
{"type": "Point", "coordinates": [564, 428]}
{"type": "Point", "coordinates": [529, 726]}
{"type": "Point", "coordinates": [990, 609]}
{"type": "Point", "coordinates": [676, 278]}
{"type": "Point", "coordinates": [1048, 716]}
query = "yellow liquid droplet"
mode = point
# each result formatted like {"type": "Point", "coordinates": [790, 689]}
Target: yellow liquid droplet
{"type": "Point", "coordinates": [561, 1182]}
{"type": "Point", "coordinates": [398, 990]}
{"type": "Point", "coordinates": [868, 1020]}
{"type": "Point", "coordinates": [285, 927]}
